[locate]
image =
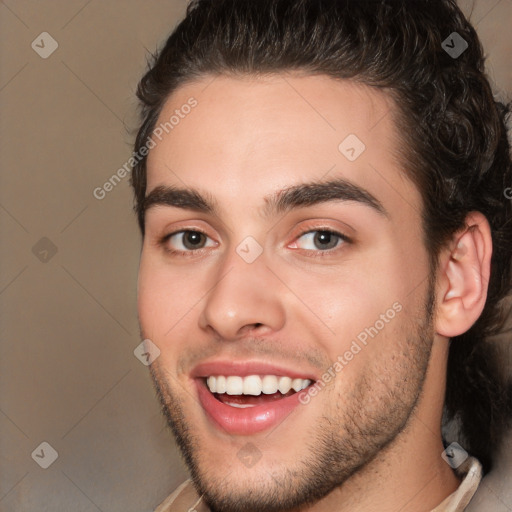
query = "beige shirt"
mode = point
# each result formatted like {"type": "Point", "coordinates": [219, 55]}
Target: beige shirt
{"type": "Point", "coordinates": [186, 499]}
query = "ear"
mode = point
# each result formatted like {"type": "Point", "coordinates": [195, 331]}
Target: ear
{"type": "Point", "coordinates": [463, 277]}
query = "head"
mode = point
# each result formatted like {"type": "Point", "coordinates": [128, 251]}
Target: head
{"type": "Point", "coordinates": [332, 187]}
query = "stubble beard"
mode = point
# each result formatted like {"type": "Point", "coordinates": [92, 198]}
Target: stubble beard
{"type": "Point", "coordinates": [340, 444]}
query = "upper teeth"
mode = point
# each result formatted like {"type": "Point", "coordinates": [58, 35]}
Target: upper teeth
{"type": "Point", "coordinates": [254, 384]}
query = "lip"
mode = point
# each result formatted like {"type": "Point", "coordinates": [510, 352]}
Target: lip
{"type": "Point", "coordinates": [245, 368]}
{"type": "Point", "coordinates": [247, 421]}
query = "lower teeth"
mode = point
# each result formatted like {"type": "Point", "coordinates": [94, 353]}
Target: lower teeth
{"type": "Point", "coordinates": [244, 401]}
{"type": "Point", "coordinates": [240, 406]}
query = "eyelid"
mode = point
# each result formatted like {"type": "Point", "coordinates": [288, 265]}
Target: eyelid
{"type": "Point", "coordinates": [163, 242]}
{"type": "Point", "coordinates": [327, 252]}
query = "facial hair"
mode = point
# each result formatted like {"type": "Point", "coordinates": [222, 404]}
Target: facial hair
{"type": "Point", "coordinates": [346, 438]}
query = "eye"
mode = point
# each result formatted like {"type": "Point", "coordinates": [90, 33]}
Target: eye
{"type": "Point", "coordinates": [185, 241]}
{"type": "Point", "coordinates": [188, 242]}
{"type": "Point", "coordinates": [320, 240]}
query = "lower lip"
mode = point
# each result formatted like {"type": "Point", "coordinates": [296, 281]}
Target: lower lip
{"type": "Point", "coordinates": [249, 420]}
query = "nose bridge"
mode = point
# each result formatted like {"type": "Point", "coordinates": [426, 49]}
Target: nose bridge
{"type": "Point", "coordinates": [245, 293]}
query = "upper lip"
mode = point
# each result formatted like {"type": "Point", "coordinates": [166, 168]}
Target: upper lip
{"type": "Point", "coordinates": [244, 368]}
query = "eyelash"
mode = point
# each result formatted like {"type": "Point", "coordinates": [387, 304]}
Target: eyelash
{"type": "Point", "coordinates": [317, 254]}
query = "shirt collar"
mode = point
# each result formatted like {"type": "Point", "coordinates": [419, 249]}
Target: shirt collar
{"type": "Point", "coordinates": [471, 473]}
{"type": "Point", "coordinates": [186, 498]}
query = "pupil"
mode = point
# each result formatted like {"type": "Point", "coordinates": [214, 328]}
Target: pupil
{"type": "Point", "coordinates": [324, 237]}
{"type": "Point", "coordinates": [192, 239]}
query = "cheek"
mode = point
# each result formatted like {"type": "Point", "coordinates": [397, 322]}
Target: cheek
{"type": "Point", "coordinates": [347, 300]}
{"type": "Point", "coordinates": [363, 307]}
{"type": "Point", "coordinates": [163, 299]}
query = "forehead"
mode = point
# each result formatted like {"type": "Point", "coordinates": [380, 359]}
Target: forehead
{"type": "Point", "coordinates": [247, 137]}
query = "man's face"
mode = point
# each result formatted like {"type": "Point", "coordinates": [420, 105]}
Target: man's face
{"type": "Point", "coordinates": [281, 290]}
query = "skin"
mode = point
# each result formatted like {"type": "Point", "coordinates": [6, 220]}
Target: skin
{"type": "Point", "coordinates": [371, 439]}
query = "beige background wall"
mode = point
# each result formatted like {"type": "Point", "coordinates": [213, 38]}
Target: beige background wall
{"type": "Point", "coordinates": [68, 261]}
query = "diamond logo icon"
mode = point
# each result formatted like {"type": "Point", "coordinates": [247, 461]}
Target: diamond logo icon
{"type": "Point", "coordinates": [44, 45]}
{"type": "Point", "coordinates": [249, 455]}
{"type": "Point", "coordinates": [454, 45]}
{"type": "Point", "coordinates": [44, 250]}
{"type": "Point", "coordinates": [146, 352]}
{"type": "Point", "coordinates": [249, 249]}
{"type": "Point", "coordinates": [351, 147]}
{"type": "Point", "coordinates": [454, 455]}
{"type": "Point", "coordinates": [45, 455]}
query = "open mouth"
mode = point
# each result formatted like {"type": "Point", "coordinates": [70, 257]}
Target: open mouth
{"type": "Point", "coordinates": [245, 397]}
{"type": "Point", "coordinates": [253, 390]}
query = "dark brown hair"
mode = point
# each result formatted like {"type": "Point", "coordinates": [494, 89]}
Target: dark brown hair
{"type": "Point", "coordinates": [455, 142]}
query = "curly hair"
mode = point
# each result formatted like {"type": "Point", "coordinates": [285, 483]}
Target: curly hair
{"type": "Point", "coordinates": [455, 146]}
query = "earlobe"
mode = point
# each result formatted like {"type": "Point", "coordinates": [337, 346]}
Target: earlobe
{"type": "Point", "coordinates": [463, 277]}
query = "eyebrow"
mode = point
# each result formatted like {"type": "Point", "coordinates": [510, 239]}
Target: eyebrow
{"type": "Point", "coordinates": [282, 201]}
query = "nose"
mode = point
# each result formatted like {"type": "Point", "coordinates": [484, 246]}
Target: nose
{"type": "Point", "coordinates": [243, 297]}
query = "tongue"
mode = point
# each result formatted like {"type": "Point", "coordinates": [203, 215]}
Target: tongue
{"type": "Point", "coordinates": [251, 399]}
